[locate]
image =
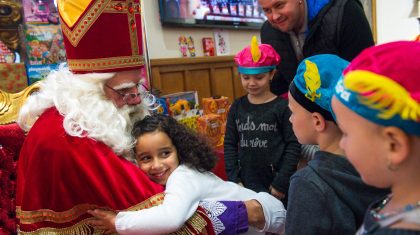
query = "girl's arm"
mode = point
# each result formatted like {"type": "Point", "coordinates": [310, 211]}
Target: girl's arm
{"type": "Point", "coordinates": [182, 195]}
{"type": "Point", "coordinates": [231, 142]}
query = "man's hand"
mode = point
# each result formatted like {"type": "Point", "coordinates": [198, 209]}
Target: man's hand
{"type": "Point", "coordinates": [277, 194]}
{"type": "Point", "coordinates": [103, 220]}
{"type": "Point", "coordinates": [255, 213]}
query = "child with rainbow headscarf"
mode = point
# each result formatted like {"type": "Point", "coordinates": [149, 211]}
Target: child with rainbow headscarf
{"type": "Point", "coordinates": [377, 105]}
{"type": "Point", "coordinates": [261, 150]}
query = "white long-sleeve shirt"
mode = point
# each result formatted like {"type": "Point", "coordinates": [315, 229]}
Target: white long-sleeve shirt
{"type": "Point", "coordinates": [185, 188]}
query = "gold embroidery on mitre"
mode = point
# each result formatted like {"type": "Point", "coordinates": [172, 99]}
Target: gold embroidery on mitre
{"type": "Point", "coordinates": [31, 217]}
{"type": "Point", "coordinates": [77, 32]}
{"type": "Point", "coordinates": [71, 10]}
{"type": "Point", "coordinates": [105, 63]}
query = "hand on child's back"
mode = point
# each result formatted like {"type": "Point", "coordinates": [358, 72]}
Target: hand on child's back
{"type": "Point", "coordinates": [103, 220]}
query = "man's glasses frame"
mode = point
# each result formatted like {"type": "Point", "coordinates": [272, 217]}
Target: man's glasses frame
{"type": "Point", "coordinates": [130, 97]}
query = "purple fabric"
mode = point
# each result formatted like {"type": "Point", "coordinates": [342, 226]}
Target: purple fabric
{"type": "Point", "coordinates": [234, 218]}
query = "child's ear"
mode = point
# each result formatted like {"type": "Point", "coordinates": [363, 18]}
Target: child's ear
{"type": "Point", "coordinates": [398, 145]}
{"type": "Point", "coordinates": [318, 122]}
{"type": "Point", "coordinates": [272, 73]}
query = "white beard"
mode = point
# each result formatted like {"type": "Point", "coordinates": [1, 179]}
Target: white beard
{"type": "Point", "coordinates": [87, 113]}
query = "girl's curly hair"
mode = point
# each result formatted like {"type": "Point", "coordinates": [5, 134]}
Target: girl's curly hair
{"type": "Point", "coordinates": [193, 150]}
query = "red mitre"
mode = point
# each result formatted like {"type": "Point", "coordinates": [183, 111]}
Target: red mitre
{"type": "Point", "coordinates": [102, 35]}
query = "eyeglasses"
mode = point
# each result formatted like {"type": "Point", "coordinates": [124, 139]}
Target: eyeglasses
{"type": "Point", "coordinates": [130, 98]}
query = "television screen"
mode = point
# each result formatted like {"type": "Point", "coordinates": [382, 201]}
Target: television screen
{"type": "Point", "coordinates": [212, 13]}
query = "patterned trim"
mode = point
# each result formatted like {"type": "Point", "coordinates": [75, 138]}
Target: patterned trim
{"type": "Point", "coordinates": [80, 228]}
{"type": "Point", "coordinates": [214, 210]}
{"type": "Point", "coordinates": [121, 7]}
{"type": "Point", "coordinates": [131, 9]}
{"type": "Point", "coordinates": [195, 225]}
{"type": "Point", "coordinates": [89, 18]}
{"type": "Point", "coordinates": [133, 27]}
{"type": "Point", "coordinates": [105, 63]}
{"type": "Point", "coordinates": [30, 217]}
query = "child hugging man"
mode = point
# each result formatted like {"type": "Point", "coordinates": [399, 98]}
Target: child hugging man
{"type": "Point", "coordinates": [327, 196]}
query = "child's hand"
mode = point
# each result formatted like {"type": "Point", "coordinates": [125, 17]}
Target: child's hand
{"type": "Point", "coordinates": [103, 220]}
{"type": "Point", "coordinates": [277, 194]}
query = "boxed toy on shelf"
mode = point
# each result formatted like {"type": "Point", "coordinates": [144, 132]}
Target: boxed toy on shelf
{"type": "Point", "coordinates": [211, 126]}
{"type": "Point", "coordinates": [182, 104]}
{"type": "Point", "coordinates": [44, 50]}
{"type": "Point", "coordinates": [44, 44]}
{"type": "Point", "coordinates": [216, 105]}
{"type": "Point", "coordinates": [40, 12]}
{"type": "Point", "coordinates": [38, 72]}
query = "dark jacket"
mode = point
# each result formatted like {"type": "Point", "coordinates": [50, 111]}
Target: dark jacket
{"type": "Point", "coordinates": [340, 27]}
{"type": "Point", "coordinates": [328, 197]}
{"type": "Point", "coordinates": [260, 146]}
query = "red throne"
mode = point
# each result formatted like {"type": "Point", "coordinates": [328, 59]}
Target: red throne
{"type": "Point", "coordinates": [11, 140]}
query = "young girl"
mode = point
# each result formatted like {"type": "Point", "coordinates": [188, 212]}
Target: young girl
{"type": "Point", "coordinates": [261, 151]}
{"type": "Point", "coordinates": [172, 155]}
{"type": "Point", "coordinates": [377, 105]}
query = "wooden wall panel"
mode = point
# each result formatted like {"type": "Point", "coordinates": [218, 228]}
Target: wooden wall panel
{"type": "Point", "coordinates": [237, 85]}
{"type": "Point", "coordinates": [222, 83]}
{"type": "Point", "coordinates": [209, 76]}
{"type": "Point", "coordinates": [198, 80]}
{"type": "Point", "coordinates": [172, 82]}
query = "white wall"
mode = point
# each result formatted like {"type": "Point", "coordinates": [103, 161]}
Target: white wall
{"type": "Point", "coordinates": [394, 21]}
{"type": "Point", "coordinates": [163, 42]}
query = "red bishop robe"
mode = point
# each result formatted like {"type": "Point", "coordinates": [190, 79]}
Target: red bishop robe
{"type": "Point", "coordinates": [60, 177]}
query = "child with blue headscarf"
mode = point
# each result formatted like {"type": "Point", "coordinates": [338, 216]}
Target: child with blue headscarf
{"type": "Point", "coordinates": [328, 195]}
